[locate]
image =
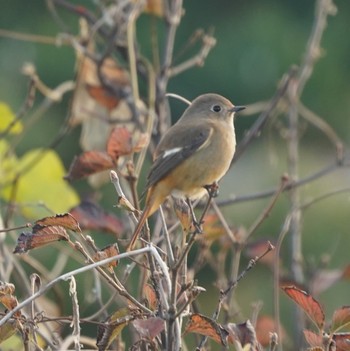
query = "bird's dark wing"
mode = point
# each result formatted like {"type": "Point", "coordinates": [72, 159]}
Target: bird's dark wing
{"type": "Point", "coordinates": [178, 145]}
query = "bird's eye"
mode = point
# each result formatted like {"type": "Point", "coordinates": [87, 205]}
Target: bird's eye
{"type": "Point", "coordinates": [216, 108]}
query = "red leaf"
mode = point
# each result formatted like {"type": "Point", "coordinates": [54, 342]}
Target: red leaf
{"type": "Point", "coordinates": [309, 305]}
{"type": "Point", "coordinates": [205, 326]}
{"type": "Point", "coordinates": [41, 235]}
{"type": "Point", "coordinates": [119, 143]}
{"type": "Point", "coordinates": [90, 162]}
{"type": "Point", "coordinates": [149, 328]}
{"type": "Point", "coordinates": [93, 217]}
{"type": "Point", "coordinates": [314, 340]}
{"type": "Point", "coordinates": [65, 220]}
{"type": "Point", "coordinates": [341, 318]}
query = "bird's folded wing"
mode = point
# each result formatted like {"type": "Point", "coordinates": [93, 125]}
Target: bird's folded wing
{"type": "Point", "coordinates": [180, 146]}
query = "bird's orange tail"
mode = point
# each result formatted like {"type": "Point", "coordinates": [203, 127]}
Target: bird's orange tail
{"type": "Point", "coordinates": [138, 228]}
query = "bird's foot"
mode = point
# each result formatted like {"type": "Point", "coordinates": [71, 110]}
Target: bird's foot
{"type": "Point", "coordinates": [212, 189]}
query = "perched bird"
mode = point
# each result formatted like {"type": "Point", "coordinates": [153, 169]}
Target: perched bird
{"type": "Point", "coordinates": [193, 154]}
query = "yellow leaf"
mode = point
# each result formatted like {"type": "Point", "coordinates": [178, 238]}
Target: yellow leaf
{"type": "Point", "coordinates": [8, 162]}
{"type": "Point", "coordinates": [42, 182]}
{"type": "Point", "coordinates": [6, 118]}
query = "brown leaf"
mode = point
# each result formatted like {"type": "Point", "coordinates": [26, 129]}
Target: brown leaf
{"type": "Point", "coordinates": [112, 327]}
{"type": "Point", "coordinates": [314, 340]}
{"type": "Point", "coordinates": [6, 288]}
{"type": "Point", "coordinates": [309, 305]}
{"type": "Point", "coordinates": [89, 162]}
{"type": "Point", "coordinates": [341, 318]}
{"type": "Point", "coordinates": [151, 296]}
{"type": "Point", "coordinates": [149, 328]}
{"type": "Point", "coordinates": [119, 142]}
{"type": "Point", "coordinates": [212, 228]}
{"type": "Point", "coordinates": [103, 96]}
{"type": "Point", "coordinates": [205, 326]}
{"type": "Point", "coordinates": [40, 236]}
{"type": "Point", "coordinates": [65, 220]}
{"type": "Point", "coordinates": [244, 333]}
{"type": "Point", "coordinates": [93, 217]}
{"type": "Point", "coordinates": [342, 341]}
{"type": "Point", "coordinates": [122, 142]}
{"type": "Point", "coordinates": [106, 252]}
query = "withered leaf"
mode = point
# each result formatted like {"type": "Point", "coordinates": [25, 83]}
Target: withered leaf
{"type": "Point", "coordinates": [112, 327]}
{"type": "Point", "coordinates": [93, 217]}
{"type": "Point", "coordinates": [150, 296]}
{"type": "Point", "coordinates": [106, 252]}
{"type": "Point", "coordinates": [342, 341]}
{"type": "Point", "coordinates": [119, 142]}
{"type": "Point", "coordinates": [149, 328]}
{"type": "Point", "coordinates": [205, 326]}
{"type": "Point", "coordinates": [89, 162]}
{"type": "Point", "coordinates": [40, 236]}
{"type": "Point", "coordinates": [65, 220]}
{"type": "Point", "coordinates": [244, 333]}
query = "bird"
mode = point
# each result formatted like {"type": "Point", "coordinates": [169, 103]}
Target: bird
{"type": "Point", "coordinates": [194, 153]}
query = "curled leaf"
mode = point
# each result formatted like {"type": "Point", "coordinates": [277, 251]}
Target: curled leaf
{"type": "Point", "coordinates": [40, 236]}
{"type": "Point", "coordinates": [65, 220]}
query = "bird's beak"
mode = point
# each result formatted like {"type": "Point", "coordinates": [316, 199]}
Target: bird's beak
{"type": "Point", "coordinates": [237, 108]}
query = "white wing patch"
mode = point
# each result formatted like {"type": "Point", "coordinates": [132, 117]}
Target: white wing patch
{"type": "Point", "coordinates": [175, 150]}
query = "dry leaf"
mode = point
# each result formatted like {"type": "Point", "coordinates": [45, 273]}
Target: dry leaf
{"type": "Point", "coordinates": [65, 220]}
{"type": "Point", "coordinates": [40, 236]}
{"type": "Point", "coordinates": [149, 328]}
{"type": "Point", "coordinates": [90, 162]}
{"type": "Point", "coordinates": [205, 326]}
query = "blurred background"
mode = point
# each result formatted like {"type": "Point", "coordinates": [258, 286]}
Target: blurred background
{"type": "Point", "coordinates": [257, 42]}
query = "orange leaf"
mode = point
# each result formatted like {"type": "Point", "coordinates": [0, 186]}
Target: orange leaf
{"type": "Point", "coordinates": [151, 296]}
{"type": "Point", "coordinates": [90, 162]}
{"type": "Point", "coordinates": [309, 305]}
{"type": "Point", "coordinates": [40, 236]}
{"type": "Point", "coordinates": [106, 252]}
{"type": "Point", "coordinates": [103, 96]}
{"type": "Point", "coordinates": [205, 326]}
{"type": "Point", "coordinates": [65, 220]}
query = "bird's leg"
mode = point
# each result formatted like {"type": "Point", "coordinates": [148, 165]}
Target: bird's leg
{"type": "Point", "coordinates": [196, 224]}
{"type": "Point", "coordinates": [212, 189]}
